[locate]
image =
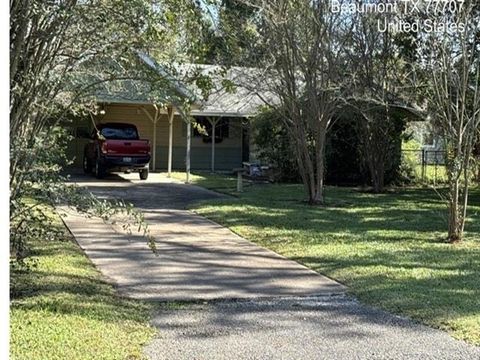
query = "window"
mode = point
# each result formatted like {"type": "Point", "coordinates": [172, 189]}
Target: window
{"type": "Point", "coordinates": [221, 129]}
{"type": "Point", "coordinates": [119, 132]}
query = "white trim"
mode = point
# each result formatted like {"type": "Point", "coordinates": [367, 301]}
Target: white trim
{"type": "Point", "coordinates": [193, 112]}
{"type": "Point", "coordinates": [131, 102]}
{"type": "Point", "coordinates": [220, 114]}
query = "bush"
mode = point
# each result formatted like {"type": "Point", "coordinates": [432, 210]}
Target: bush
{"type": "Point", "coordinates": [273, 146]}
{"type": "Point", "coordinates": [409, 164]}
{"type": "Point", "coordinates": [343, 165]}
{"type": "Point", "coordinates": [41, 182]}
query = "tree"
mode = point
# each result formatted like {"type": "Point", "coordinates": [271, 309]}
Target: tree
{"type": "Point", "coordinates": [302, 61]}
{"type": "Point", "coordinates": [228, 40]}
{"type": "Point", "coordinates": [452, 62]}
{"type": "Point", "coordinates": [378, 77]}
{"type": "Point", "coordinates": [60, 53]}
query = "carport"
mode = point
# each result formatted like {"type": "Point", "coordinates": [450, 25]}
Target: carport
{"type": "Point", "coordinates": [163, 114]}
{"type": "Point", "coordinates": [151, 102]}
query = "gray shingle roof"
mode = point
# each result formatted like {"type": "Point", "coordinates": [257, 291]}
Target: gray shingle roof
{"type": "Point", "coordinates": [234, 91]}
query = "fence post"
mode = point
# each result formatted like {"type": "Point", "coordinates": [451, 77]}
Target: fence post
{"type": "Point", "coordinates": [423, 165]}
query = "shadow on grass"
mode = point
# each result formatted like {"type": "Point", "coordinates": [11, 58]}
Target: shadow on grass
{"type": "Point", "coordinates": [366, 217]}
{"type": "Point", "coordinates": [63, 281]}
{"type": "Point", "coordinates": [441, 281]}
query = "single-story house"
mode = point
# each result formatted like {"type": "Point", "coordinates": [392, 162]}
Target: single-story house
{"type": "Point", "coordinates": [219, 137]}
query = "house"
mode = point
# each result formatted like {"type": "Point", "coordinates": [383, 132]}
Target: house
{"type": "Point", "coordinates": [219, 135]}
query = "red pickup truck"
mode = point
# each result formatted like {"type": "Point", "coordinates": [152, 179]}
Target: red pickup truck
{"type": "Point", "coordinates": [116, 147]}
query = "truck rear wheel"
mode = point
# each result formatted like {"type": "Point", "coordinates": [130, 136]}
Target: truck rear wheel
{"type": "Point", "coordinates": [144, 174]}
{"type": "Point", "coordinates": [99, 170]}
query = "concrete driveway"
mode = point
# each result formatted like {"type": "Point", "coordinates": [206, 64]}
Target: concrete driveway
{"type": "Point", "coordinates": [259, 304]}
{"type": "Point", "coordinates": [197, 259]}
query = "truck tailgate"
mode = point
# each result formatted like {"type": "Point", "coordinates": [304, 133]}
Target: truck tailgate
{"type": "Point", "coordinates": [126, 147]}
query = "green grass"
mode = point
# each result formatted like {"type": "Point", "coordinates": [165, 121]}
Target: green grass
{"type": "Point", "coordinates": [388, 248]}
{"type": "Point", "coordinates": [434, 174]}
{"type": "Point", "coordinates": [62, 308]}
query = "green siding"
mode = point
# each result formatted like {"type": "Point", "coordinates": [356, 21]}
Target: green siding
{"type": "Point", "coordinates": [225, 158]}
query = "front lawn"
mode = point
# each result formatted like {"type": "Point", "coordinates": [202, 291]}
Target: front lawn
{"type": "Point", "coordinates": [63, 309]}
{"type": "Point", "coordinates": [388, 249]}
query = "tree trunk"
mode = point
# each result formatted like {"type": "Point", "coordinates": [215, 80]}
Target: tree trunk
{"type": "Point", "coordinates": [318, 197]}
{"type": "Point", "coordinates": [377, 172]}
{"type": "Point", "coordinates": [311, 164]}
{"type": "Point", "coordinates": [454, 213]}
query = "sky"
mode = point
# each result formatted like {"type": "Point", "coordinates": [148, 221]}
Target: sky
{"type": "Point", "coordinates": [210, 10]}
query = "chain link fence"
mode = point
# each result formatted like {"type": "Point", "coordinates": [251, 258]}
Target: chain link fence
{"type": "Point", "coordinates": [426, 166]}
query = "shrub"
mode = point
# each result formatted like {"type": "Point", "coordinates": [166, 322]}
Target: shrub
{"type": "Point", "coordinates": [410, 151]}
{"type": "Point", "coordinates": [273, 146]}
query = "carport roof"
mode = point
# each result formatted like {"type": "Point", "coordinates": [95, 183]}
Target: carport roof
{"type": "Point", "coordinates": [234, 92]}
{"type": "Point", "coordinates": [135, 91]}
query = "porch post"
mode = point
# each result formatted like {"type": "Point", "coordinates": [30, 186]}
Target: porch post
{"type": "Point", "coordinates": [154, 120]}
{"type": "Point", "coordinates": [214, 125]}
{"type": "Point", "coordinates": [213, 146]}
{"type": "Point", "coordinates": [189, 142]}
{"type": "Point", "coordinates": [171, 113]}
{"type": "Point", "coordinates": [154, 150]}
